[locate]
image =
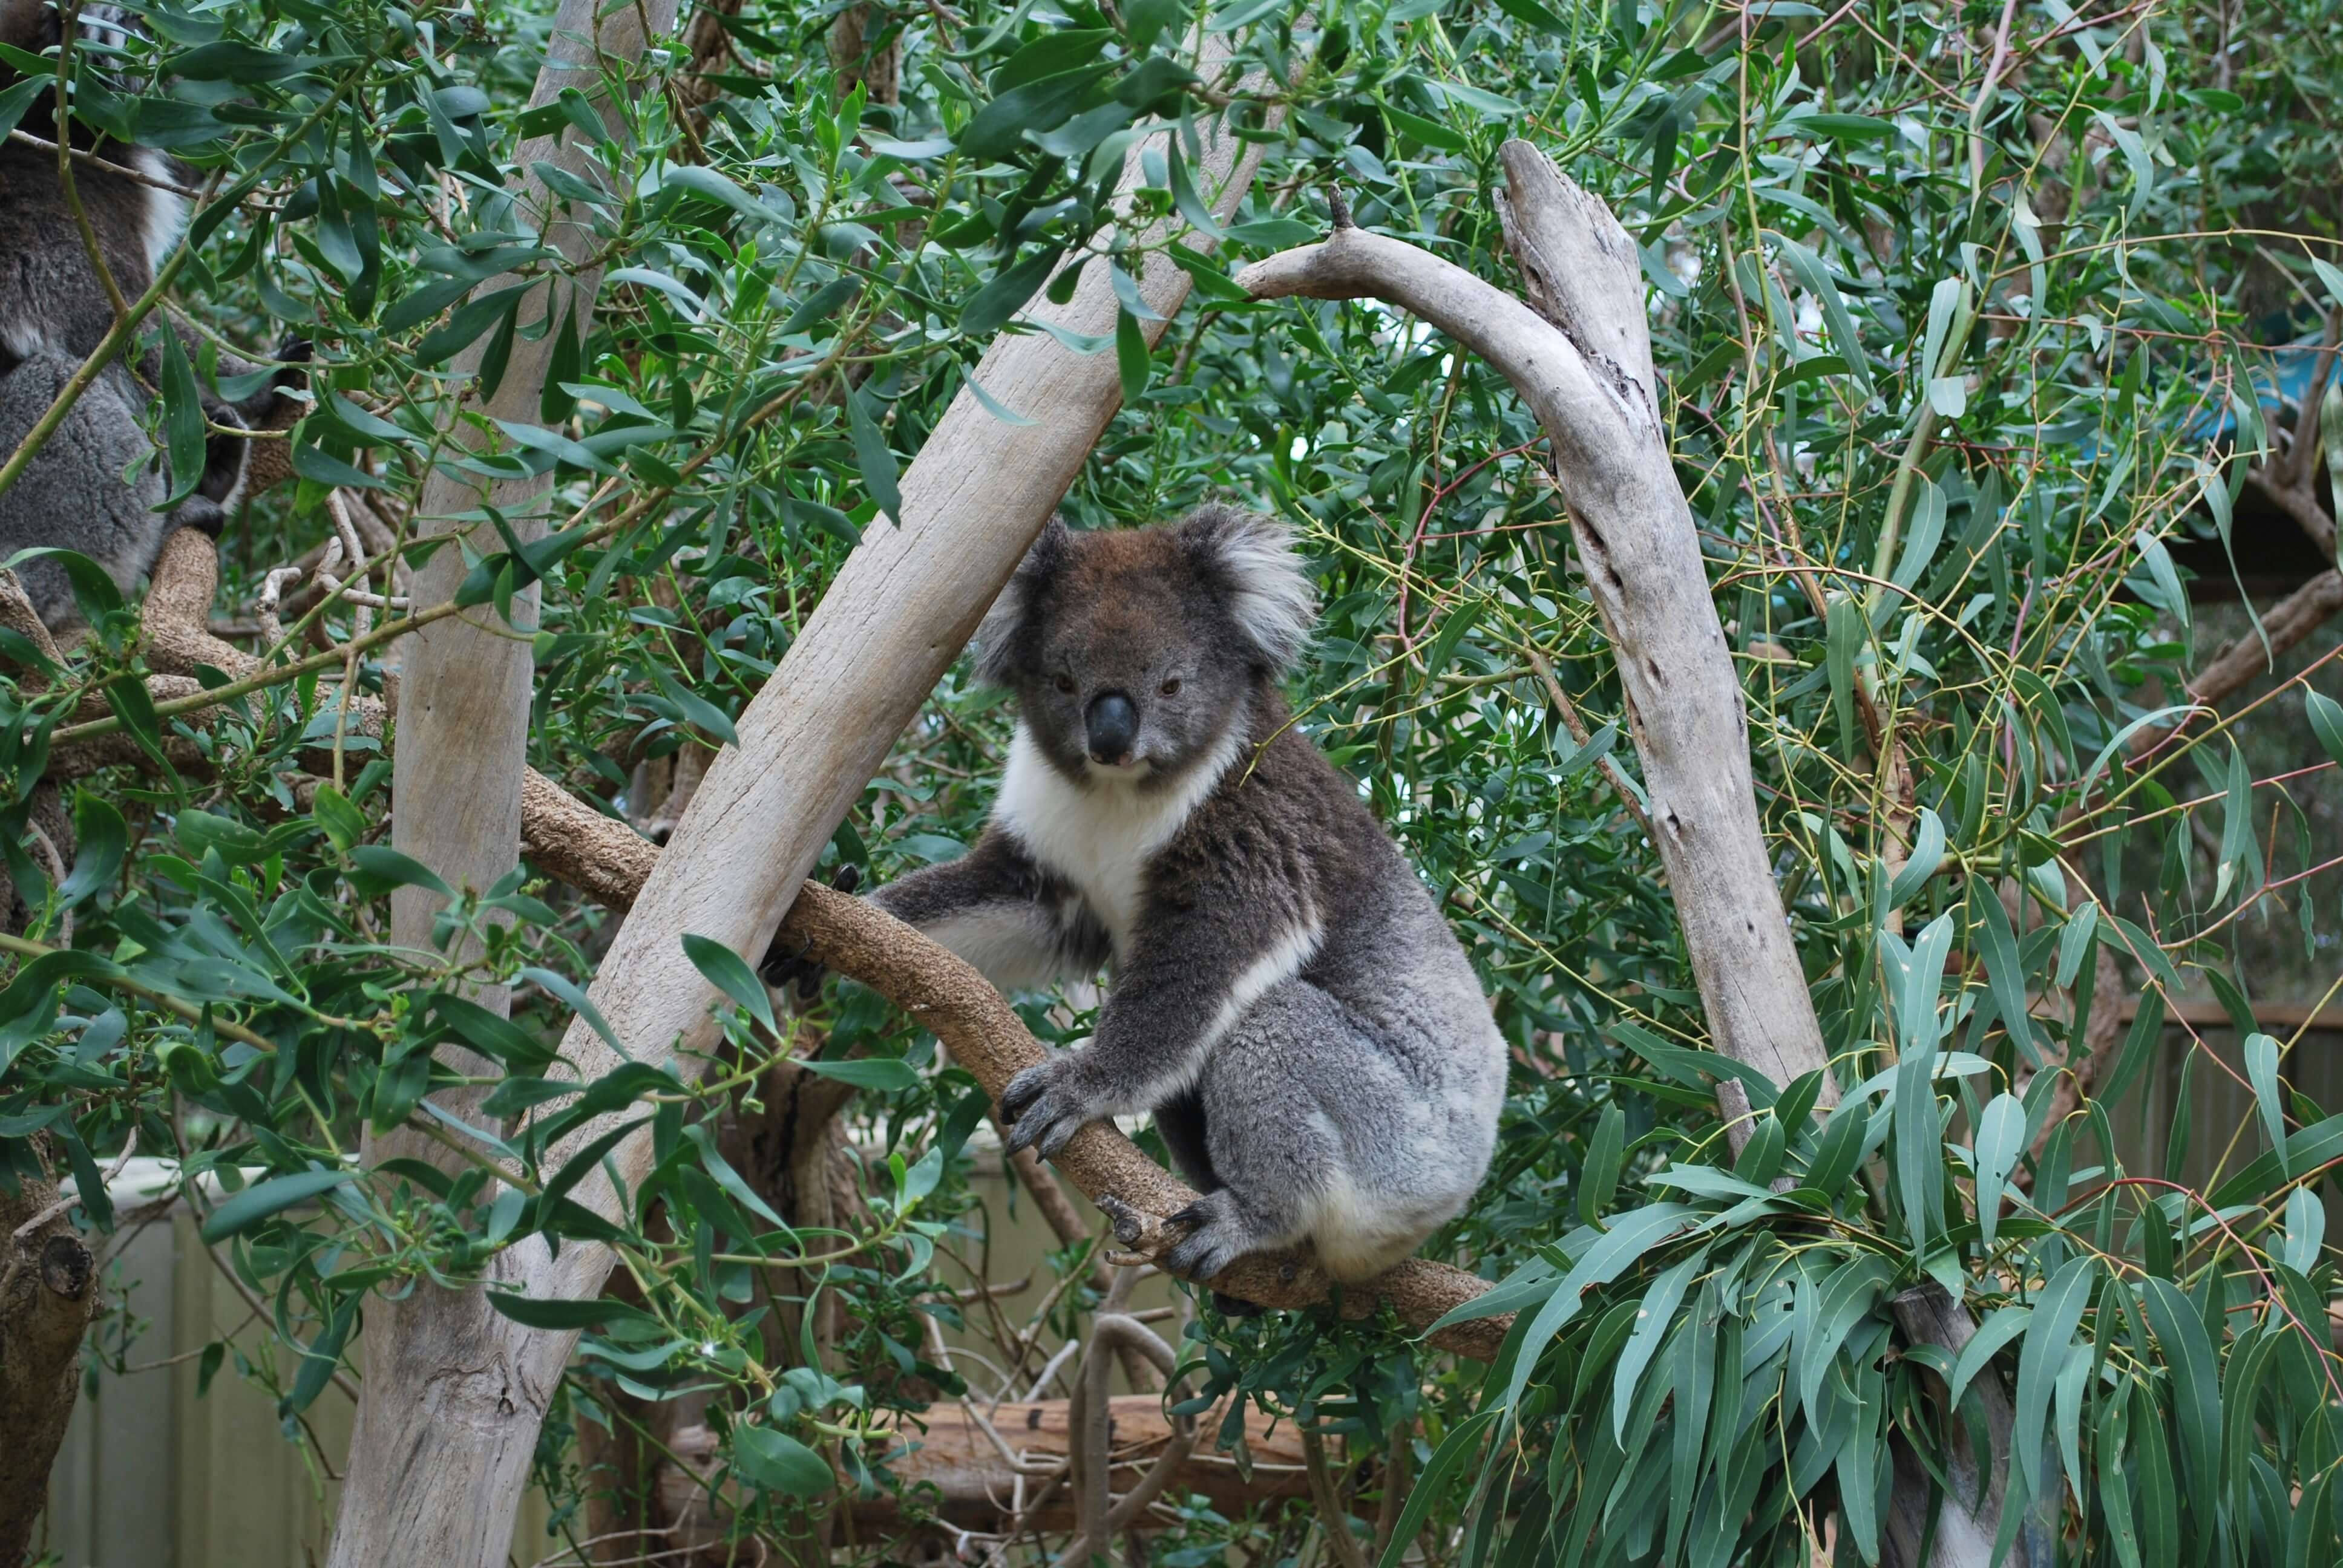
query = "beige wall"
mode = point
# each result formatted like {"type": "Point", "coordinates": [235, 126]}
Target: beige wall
{"type": "Point", "coordinates": [152, 1476]}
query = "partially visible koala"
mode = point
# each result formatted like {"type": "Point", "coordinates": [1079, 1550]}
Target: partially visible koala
{"type": "Point", "coordinates": [1286, 998]}
{"type": "Point", "coordinates": [53, 315]}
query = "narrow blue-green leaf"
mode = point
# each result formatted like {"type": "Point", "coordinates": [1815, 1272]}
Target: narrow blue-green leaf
{"type": "Point", "coordinates": [1132, 359]}
{"type": "Point", "coordinates": [2074, 943]}
{"type": "Point", "coordinates": [879, 473]}
{"type": "Point", "coordinates": [573, 996]}
{"type": "Point", "coordinates": [1844, 628]}
{"type": "Point", "coordinates": [1598, 1178]}
{"type": "Point", "coordinates": [2123, 740]}
{"type": "Point", "coordinates": [1927, 855]}
{"type": "Point", "coordinates": [2114, 1486]}
{"type": "Point", "coordinates": [2327, 723]}
{"type": "Point", "coordinates": [886, 1073]}
{"type": "Point", "coordinates": [2194, 1375]}
{"type": "Point", "coordinates": [2000, 1140]}
{"type": "Point", "coordinates": [1463, 1440]}
{"type": "Point", "coordinates": [2057, 1312]}
{"type": "Point", "coordinates": [2261, 1071]}
{"type": "Point", "coordinates": [1654, 1317]}
{"type": "Point", "coordinates": [1978, 1354]}
{"type": "Point", "coordinates": [726, 970]}
{"type": "Point", "coordinates": [2241, 854]}
{"type": "Point", "coordinates": [1815, 280]}
{"type": "Point", "coordinates": [1613, 1254]}
{"type": "Point", "coordinates": [255, 1203]}
{"type": "Point", "coordinates": [1998, 945]}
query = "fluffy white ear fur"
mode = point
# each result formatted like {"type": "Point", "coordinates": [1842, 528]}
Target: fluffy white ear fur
{"type": "Point", "coordinates": [1269, 592]}
{"type": "Point", "coordinates": [994, 646]}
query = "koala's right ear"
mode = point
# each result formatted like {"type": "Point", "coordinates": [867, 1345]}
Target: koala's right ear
{"type": "Point", "coordinates": [999, 646]}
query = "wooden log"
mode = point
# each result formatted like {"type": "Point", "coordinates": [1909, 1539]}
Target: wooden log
{"type": "Point", "coordinates": [951, 1467]}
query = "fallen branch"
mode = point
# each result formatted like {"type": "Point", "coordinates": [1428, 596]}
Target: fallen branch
{"type": "Point", "coordinates": [948, 1460]}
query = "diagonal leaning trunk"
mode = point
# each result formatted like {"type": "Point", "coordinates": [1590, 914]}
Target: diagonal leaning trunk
{"type": "Point", "coordinates": [1582, 361]}
{"type": "Point", "coordinates": [452, 1406]}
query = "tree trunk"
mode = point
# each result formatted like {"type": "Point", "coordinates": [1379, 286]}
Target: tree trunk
{"type": "Point", "coordinates": [447, 1420]}
{"type": "Point", "coordinates": [48, 1295]}
{"type": "Point", "coordinates": [1583, 363]}
{"type": "Point", "coordinates": [447, 1426]}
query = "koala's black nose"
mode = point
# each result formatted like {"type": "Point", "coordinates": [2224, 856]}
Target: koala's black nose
{"type": "Point", "coordinates": [1113, 724]}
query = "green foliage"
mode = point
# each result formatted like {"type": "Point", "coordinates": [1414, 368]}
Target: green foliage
{"type": "Point", "coordinates": [1954, 366]}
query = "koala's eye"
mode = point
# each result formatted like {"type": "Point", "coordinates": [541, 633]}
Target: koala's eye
{"type": "Point", "coordinates": [1065, 683]}
{"type": "Point", "coordinates": [1171, 687]}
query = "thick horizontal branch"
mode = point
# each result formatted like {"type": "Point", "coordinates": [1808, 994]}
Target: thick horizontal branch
{"type": "Point", "coordinates": [608, 862]}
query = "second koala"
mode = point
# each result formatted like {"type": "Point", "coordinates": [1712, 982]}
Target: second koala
{"type": "Point", "coordinates": [1286, 998]}
{"type": "Point", "coordinates": [94, 487]}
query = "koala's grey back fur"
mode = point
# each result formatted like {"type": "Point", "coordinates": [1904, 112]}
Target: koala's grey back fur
{"type": "Point", "coordinates": [1287, 998]}
{"type": "Point", "coordinates": [94, 484]}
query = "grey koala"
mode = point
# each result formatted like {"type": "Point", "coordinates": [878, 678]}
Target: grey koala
{"type": "Point", "coordinates": [94, 486]}
{"type": "Point", "coordinates": [1286, 998]}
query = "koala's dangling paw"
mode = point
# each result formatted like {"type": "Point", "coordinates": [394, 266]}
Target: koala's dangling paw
{"type": "Point", "coordinates": [1217, 1237]}
{"type": "Point", "coordinates": [1047, 1106]}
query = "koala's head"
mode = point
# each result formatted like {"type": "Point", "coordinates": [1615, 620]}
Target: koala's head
{"type": "Point", "coordinates": [1133, 652]}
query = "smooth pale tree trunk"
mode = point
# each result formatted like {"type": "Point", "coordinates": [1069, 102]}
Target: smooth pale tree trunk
{"type": "Point", "coordinates": [447, 1423]}
{"type": "Point", "coordinates": [453, 1405]}
{"type": "Point", "coordinates": [1581, 360]}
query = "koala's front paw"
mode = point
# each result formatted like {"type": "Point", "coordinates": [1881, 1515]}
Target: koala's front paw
{"type": "Point", "coordinates": [1048, 1106]}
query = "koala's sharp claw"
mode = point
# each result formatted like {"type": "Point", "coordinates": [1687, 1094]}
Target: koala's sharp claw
{"type": "Point", "coordinates": [1024, 1090]}
{"type": "Point", "coordinates": [1199, 1258]}
{"type": "Point", "coordinates": [1193, 1215]}
{"type": "Point", "coordinates": [1128, 1224]}
{"type": "Point", "coordinates": [1061, 1132]}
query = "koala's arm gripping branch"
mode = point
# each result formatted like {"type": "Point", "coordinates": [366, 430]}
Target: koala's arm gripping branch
{"type": "Point", "coordinates": [986, 1037]}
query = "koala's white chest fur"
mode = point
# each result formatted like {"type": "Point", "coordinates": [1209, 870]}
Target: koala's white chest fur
{"type": "Point", "coordinates": [1099, 837]}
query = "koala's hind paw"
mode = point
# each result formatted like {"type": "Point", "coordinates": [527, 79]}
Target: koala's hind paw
{"type": "Point", "coordinates": [1217, 1237]}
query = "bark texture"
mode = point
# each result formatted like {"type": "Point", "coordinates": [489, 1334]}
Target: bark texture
{"type": "Point", "coordinates": [48, 1295]}
{"type": "Point", "coordinates": [448, 1417]}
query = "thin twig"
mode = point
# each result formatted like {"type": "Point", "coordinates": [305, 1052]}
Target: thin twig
{"type": "Point", "coordinates": [65, 1201]}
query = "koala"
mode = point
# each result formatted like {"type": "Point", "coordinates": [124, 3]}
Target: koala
{"type": "Point", "coordinates": [1286, 1000]}
{"type": "Point", "coordinates": [94, 485]}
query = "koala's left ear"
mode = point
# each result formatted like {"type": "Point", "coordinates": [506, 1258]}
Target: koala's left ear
{"type": "Point", "coordinates": [999, 640]}
{"type": "Point", "coordinates": [1250, 559]}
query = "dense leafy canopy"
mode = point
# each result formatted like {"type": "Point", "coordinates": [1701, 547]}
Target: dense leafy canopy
{"type": "Point", "coordinates": [1966, 320]}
